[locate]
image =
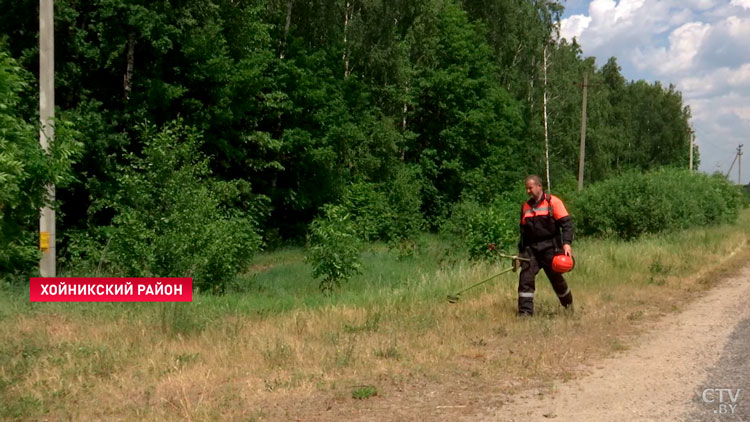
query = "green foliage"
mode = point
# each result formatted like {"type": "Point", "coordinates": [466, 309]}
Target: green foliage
{"type": "Point", "coordinates": [364, 392]}
{"type": "Point", "coordinates": [368, 207]}
{"type": "Point", "coordinates": [333, 247]}
{"type": "Point", "coordinates": [472, 226]}
{"type": "Point", "coordinates": [468, 124]}
{"type": "Point", "coordinates": [389, 211]}
{"type": "Point", "coordinates": [330, 101]}
{"type": "Point", "coordinates": [637, 203]}
{"type": "Point", "coordinates": [171, 219]}
{"type": "Point", "coordinates": [405, 221]}
{"type": "Point", "coordinates": [25, 170]}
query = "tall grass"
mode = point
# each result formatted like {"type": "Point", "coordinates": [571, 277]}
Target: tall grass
{"type": "Point", "coordinates": [273, 344]}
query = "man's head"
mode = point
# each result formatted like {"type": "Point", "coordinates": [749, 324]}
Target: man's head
{"type": "Point", "coordinates": [534, 187]}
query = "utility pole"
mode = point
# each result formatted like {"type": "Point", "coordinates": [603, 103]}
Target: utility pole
{"type": "Point", "coordinates": [582, 152]}
{"type": "Point", "coordinates": [47, 265]}
{"type": "Point", "coordinates": [731, 166]}
{"type": "Point", "coordinates": [692, 139]}
{"type": "Point", "coordinates": [739, 164]}
{"type": "Point", "coordinates": [737, 158]}
{"type": "Point", "coordinates": [546, 136]}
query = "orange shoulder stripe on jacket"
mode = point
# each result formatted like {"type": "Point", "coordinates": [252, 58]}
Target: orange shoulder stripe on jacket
{"type": "Point", "coordinates": [558, 208]}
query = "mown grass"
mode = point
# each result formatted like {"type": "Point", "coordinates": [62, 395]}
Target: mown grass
{"type": "Point", "coordinates": [274, 345]}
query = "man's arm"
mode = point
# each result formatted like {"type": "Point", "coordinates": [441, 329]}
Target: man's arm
{"type": "Point", "coordinates": [521, 246]}
{"type": "Point", "coordinates": [566, 226]}
{"type": "Point", "coordinates": [564, 223]}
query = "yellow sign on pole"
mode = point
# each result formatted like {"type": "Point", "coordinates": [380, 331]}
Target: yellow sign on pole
{"type": "Point", "coordinates": [44, 241]}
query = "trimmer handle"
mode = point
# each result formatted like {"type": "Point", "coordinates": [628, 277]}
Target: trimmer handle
{"type": "Point", "coordinates": [492, 247]}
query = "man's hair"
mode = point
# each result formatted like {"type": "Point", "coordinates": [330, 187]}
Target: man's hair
{"type": "Point", "coordinates": [536, 179]}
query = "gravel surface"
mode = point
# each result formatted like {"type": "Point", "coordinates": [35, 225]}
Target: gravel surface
{"type": "Point", "coordinates": [662, 377]}
{"type": "Point", "coordinates": [723, 395]}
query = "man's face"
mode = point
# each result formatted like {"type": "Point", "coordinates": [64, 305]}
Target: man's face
{"type": "Point", "coordinates": [533, 189]}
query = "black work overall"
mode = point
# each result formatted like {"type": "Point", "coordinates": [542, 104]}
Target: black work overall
{"type": "Point", "coordinates": [541, 239]}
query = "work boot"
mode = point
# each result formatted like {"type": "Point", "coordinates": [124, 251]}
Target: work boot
{"type": "Point", "coordinates": [566, 299]}
{"type": "Point", "coordinates": [526, 303]}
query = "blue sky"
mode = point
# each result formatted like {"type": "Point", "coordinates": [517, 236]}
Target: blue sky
{"type": "Point", "coordinates": [701, 46]}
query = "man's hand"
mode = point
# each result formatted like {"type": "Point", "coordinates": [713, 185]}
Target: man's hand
{"type": "Point", "coordinates": [567, 250]}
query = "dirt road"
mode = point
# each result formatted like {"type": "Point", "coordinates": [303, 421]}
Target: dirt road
{"type": "Point", "coordinates": [689, 366]}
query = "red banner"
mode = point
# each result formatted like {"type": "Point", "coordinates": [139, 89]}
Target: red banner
{"type": "Point", "coordinates": [111, 289]}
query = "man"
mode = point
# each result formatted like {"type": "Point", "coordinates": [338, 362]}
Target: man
{"type": "Point", "coordinates": [546, 230]}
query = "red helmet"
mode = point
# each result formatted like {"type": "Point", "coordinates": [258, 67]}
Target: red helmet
{"type": "Point", "coordinates": [562, 263]}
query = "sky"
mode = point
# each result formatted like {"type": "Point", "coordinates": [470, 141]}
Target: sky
{"type": "Point", "coordinates": [700, 46]}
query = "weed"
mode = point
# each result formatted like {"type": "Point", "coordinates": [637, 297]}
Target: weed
{"type": "Point", "coordinates": [180, 319]}
{"type": "Point", "coordinates": [658, 281]}
{"type": "Point", "coordinates": [281, 383]}
{"type": "Point", "coordinates": [617, 344]}
{"type": "Point", "coordinates": [184, 359]}
{"type": "Point", "coordinates": [634, 316]}
{"type": "Point", "coordinates": [657, 268]}
{"type": "Point", "coordinates": [389, 351]}
{"type": "Point", "coordinates": [345, 355]}
{"type": "Point", "coordinates": [478, 342]}
{"type": "Point", "coordinates": [370, 324]}
{"type": "Point", "coordinates": [100, 359]}
{"type": "Point", "coordinates": [500, 331]}
{"type": "Point", "coordinates": [22, 408]}
{"type": "Point", "coordinates": [278, 355]}
{"type": "Point", "coordinates": [364, 392]}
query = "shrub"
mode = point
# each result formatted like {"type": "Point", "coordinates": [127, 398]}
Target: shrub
{"type": "Point", "coordinates": [389, 211]}
{"type": "Point", "coordinates": [367, 207]}
{"type": "Point", "coordinates": [472, 226]}
{"type": "Point", "coordinates": [333, 247]}
{"type": "Point", "coordinates": [171, 219]}
{"type": "Point", "coordinates": [636, 203]}
{"type": "Point", "coordinates": [405, 221]}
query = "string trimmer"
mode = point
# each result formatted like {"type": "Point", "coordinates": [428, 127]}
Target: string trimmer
{"type": "Point", "coordinates": [516, 264]}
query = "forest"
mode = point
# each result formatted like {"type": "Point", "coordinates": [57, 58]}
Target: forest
{"type": "Point", "coordinates": [192, 134]}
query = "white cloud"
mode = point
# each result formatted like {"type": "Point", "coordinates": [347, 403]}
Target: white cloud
{"type": "Point", "coordinates": [684, 44]}
{"type": "Point", "coordinates": [738, 27]}
{"type": "Point", "coordinates": [727, 44]}
{"type": "Point", "coordinates": [681, 17]}
{"type": "Point", "coordinates": [721, 123]}
{"type": "Point", "coordinates": [701, 5]}
{"type": "Point", "coordinates": [703, 46]}
{"type": "Point", "coordinates": [743, 113]}
{"type": "Point", "coordinates": [573, 26]}
{"type": "Point", "coordinates": [618, 28]}
{"type": "Point", "coordinates": [740, 78]}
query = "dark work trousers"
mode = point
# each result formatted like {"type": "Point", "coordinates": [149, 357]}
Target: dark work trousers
{"type": "Point", "coordinates": [540, 259]}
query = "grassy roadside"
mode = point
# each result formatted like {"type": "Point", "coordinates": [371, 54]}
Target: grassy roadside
{"type": "Point", "coordinates": [252, 354]}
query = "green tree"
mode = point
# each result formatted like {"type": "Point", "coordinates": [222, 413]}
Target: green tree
{"type": "Point", "coordinates": [467, 125]}
{"type": "Point", "coordinates": [25, 170]}
{"type": "Point", "coordinates": [333, 247]}
{"type": "Point", "coordinates": [172, 219]}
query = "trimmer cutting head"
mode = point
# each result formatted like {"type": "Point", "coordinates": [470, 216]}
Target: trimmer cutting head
{"type": "Point", "coordinates": [454, 297]}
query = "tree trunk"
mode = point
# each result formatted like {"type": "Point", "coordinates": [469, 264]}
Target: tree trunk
{"type": "Point", "coordinates": [127, 83]}
{"type": "Point", "coordinates": [288, 23]}
{"type": "Point", "coordinates": [345, 56]}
